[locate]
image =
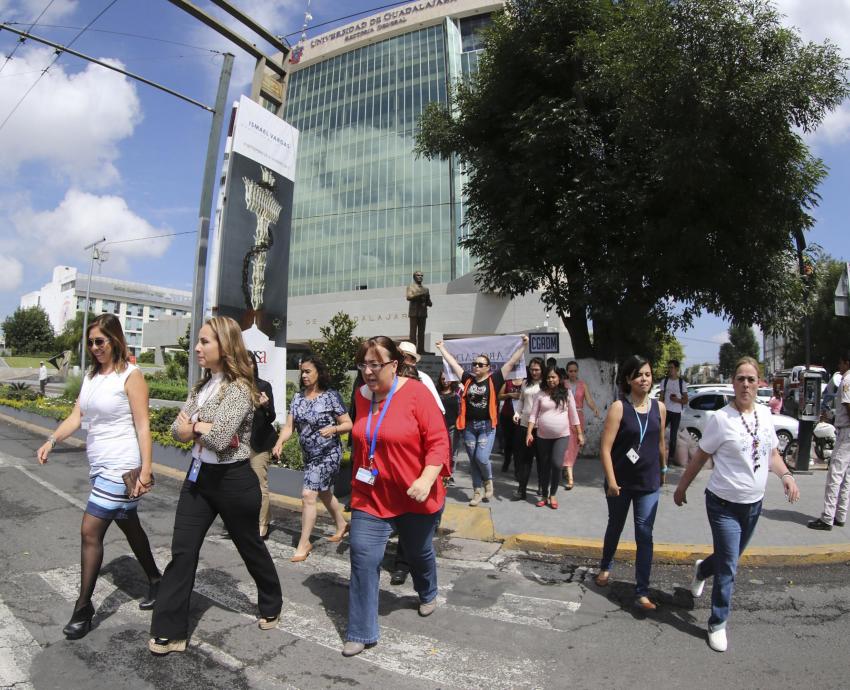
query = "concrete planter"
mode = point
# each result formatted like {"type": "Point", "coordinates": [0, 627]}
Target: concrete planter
{"type": "Point", "coordinates": [48, 423]}
{"type": "Point", "coordinates": [290, 482]}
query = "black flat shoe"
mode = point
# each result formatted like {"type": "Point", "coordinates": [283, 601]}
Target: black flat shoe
{"type": "Point", "coordinates": [80, 623]}
{"type": "Point", "coordinates": [519, 495]}
{"type": "Point", "coordinates": [399, 577]}
{"type": "Point", "coordinates": [148, 602]}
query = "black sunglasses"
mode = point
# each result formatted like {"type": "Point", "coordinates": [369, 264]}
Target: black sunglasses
{"type": "Point", "coordinates": [97, 342]}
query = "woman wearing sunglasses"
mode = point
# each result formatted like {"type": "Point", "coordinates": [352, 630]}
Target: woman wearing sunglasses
{"type": "Point", "coordinates": [478, 416]}
{"type": "Point", "coordinates": [113, 408]}
{"type": "Point", "coordinates": [742, 441]}
{"type": "Point", "coordinates": [401, 447]}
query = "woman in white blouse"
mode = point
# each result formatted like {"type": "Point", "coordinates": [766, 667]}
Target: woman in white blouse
{"type": "Point", "coordinates": [742, 441]}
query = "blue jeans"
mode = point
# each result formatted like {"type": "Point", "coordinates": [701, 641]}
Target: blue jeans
{"type": "Point", "coordinates": [646, 505]}
{"type": "Point", "coordinates": [478, 438]}
{"type": "Point", "coordinates": [369, 536]}
{"type": "Point", "coordinates": [732, 525]}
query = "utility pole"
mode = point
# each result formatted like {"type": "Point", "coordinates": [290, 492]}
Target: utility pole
{"type": "Point", "coordinates": [94, 255]}
{"type": "Point", "coordinates": [207, 191]}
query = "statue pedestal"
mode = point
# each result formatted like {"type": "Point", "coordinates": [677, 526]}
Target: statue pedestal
{"type": "Point", "coordinates": [431, 365]}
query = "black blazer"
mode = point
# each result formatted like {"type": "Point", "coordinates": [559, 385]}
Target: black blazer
{"type": "Point", "coordinates": [263, 435]}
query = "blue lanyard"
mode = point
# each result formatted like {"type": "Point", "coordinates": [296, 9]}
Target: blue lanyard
{"type": "Point", "coordinates": [642, 427]}
{"type": "Point", "coordinates": [374, 441]}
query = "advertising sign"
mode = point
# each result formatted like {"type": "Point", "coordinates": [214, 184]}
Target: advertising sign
{"type": "Point", "coordinates": [253, 242]}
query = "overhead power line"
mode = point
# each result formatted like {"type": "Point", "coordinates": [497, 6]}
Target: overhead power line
{"type": "Point", "coordinates": [21, 40]}
{"type": "Point", "coordinates": [154, 237]}
{"type": "Point", "coordinates": [53, 62]}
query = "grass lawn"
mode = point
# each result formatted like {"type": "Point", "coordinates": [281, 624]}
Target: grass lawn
{"type": "Point", "coordinates": [22, 362]}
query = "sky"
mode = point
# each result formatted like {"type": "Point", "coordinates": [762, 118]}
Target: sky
{"type": "Point", "coordinates": [90, 153]}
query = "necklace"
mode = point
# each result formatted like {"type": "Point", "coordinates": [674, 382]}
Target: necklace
{"type": "Point", "coordinates": [643, 403]}
{"type": "Point", "coordinates": [753, 433]}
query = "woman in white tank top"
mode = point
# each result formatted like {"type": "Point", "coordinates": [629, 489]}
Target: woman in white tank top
{"type": "Point", "coordinates": [113, 408]}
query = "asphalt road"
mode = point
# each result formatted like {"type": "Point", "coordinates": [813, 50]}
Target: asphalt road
{"type": "Point", "coordinates": [505, 620]}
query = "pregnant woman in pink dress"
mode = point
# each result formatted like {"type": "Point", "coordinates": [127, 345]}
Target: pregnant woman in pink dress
{"type": "Point", "coordinates": [582, 395]}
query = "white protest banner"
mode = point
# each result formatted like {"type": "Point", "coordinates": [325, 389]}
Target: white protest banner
{"type": "Point", "coordinates": [498, 348]}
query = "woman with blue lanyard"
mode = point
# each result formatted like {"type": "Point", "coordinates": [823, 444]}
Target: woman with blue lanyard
{"type": "Point", "coordinates": [634, 459]}
{"type": "Point", "coordinates": [401, 447]}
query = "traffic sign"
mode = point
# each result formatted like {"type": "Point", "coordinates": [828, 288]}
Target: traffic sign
{"type": "Point", "coordinates": [544, 343]}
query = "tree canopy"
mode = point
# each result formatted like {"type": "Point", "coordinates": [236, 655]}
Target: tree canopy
{"type": "Point", "coordinates": [742, 343]}
{"type": "Point", "coordinates": [668, 348]}
{"type": "Point", "coordinates": [337, 349]}
{"type": "Point", "coordinates": [634, 160]}
{"type": "Point", "coordinates": [28, 331]}
{"type": "Point", "coordinates": [71, 336]}
{"type": "Point", "coordinates": [830, 334]}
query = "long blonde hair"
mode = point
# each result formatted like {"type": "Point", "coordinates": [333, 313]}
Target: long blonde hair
{"type": "Point", "coordinates": [236, 363]}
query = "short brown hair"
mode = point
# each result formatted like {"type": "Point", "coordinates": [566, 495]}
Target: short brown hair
{"type": "Point", "coordinates": [110, 326]}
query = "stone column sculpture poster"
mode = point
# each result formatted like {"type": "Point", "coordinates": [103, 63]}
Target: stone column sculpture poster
{"type": "Point", "coordinates": [253, 245]}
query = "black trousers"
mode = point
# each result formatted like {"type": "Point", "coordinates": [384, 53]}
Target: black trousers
{"type": "Point", "coordinates": [673, 419]}
{"type": "Point", "coordinates": [417, 332]}
{"type": "Point", "coordinates": [233, 492]}
{"type": "Point", "coordinates": [550, 452]}
{"type": "Point", "coordinates": [524, 456]}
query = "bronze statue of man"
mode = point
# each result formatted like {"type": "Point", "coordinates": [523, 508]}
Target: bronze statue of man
{"type": "Point", "coordinates": [417, 311]}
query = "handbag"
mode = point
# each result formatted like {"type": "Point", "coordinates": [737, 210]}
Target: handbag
{"type": "Point", "coordinates": [131, 477]}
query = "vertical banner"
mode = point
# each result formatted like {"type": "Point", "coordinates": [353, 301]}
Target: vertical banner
{"type": "Point", "coordinates": [253, 242]}
{"type": "Point", "coordinates": [498, 349]}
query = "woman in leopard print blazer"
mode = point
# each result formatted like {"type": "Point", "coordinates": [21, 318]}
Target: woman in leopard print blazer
{"type": "Point", "coordinates": [217, 417]}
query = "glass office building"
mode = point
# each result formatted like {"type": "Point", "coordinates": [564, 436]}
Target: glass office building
{"type": "Point", "coordinates": [367, 212]}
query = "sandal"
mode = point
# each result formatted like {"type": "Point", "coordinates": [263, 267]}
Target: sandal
{"type": "Point", "coordinates": [268, 622]}
{"type": "Point", "coordinates": [602, 578]}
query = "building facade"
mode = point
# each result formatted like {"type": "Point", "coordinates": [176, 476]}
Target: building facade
{"type": "Point", "coordinates": [367, 212]}
{"type": "Point", "coordinates": [135, 304]}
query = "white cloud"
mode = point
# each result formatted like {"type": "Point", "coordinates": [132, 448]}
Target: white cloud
{"type": "Point", "coordinates": [72, 122]}
{"type": "Point", "coordinates": [11, 273]}
{"type": "Point", "coordinates": [80, 219]}
{"type": "Point", "coordinates": [28, 10]}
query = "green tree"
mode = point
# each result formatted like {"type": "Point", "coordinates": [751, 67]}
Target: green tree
{"type": "Point", "coordinates": [338, 348]}
{"type": "Point", "coordinates": [630, 159]}
{"type": "Point", "coordinates": [177, 363]}
{"type": "Point", "coordinates": [830, 334]}
{"type": "Point", "coordinates": [742, 343]}
{"type": "Point", "coordinates": [72, 336]}
{"type": "Point", "coordinates": [669, 348]}
{"type": "Point", "coordinates": [28, 331]}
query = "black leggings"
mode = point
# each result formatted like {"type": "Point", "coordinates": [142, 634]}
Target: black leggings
{"type": "Point", "coordinates": [524, 456]}
{"type": "Point", "coordinates": [551, 452]}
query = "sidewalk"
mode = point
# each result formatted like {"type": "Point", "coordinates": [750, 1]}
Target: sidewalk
{"type": "Point", "coordinates": [681, 534]}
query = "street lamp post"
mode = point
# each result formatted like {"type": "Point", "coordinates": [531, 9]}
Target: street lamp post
{"type": "Point", "coordinates": [94, 255]}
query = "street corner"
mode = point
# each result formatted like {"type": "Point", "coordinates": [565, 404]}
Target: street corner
{"type": "Point", "coordinates": [468, 522]}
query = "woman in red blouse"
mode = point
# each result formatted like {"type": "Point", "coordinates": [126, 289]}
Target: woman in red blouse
{"type": "Point", "coordinates": [400, 449]}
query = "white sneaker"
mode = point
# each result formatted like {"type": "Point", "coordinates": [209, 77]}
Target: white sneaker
{"type": "Point", "coordinates": [697, 584]}
{"type": "Point", "coordinates": [717, 640]}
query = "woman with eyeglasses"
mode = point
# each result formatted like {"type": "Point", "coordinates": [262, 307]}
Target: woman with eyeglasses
{"type": "Point", "coordinates": [742, 442]}
{"type": "Point", "coordinates": [113, 408]}
{"type": "Point", "coordinates": [634, 459]}
{"type": "Point", "coordinates": [553, 415]}
{"type": "Point", "coordinates": [218, 419]}
{"type": "Point", "coordinates": [401, 448]}
{"type": "Point", "coordinates": [478, 416]}
{"type": "Point", "coordinates": [582, 396]}
{"type": "Point", "coordinates": [320, 417]}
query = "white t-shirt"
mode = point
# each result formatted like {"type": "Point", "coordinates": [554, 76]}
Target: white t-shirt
{"type": "Point", "coordinates": [673, 387]}
{"type": "Point", "coordinates": [727, 440]}
{"type": "Point", "coordinates": [842, 395]}
{"type": "Point", "coordinates": [111, 445]}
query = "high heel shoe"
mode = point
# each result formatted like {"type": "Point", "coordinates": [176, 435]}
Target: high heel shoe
{"type": "Point", "coordinates": [298, 557]}
{"type": "Point", "coordinates": [339, 536]}
{"type": "Point", "coordinates": [80, 623]}
{"type": "Point", "coordinates": [148, 602]}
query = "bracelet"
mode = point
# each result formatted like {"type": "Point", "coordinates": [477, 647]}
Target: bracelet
{"type": "Point", "coordinates": [52, 440]}
{"type": "Point", "coordinates": [788, 474]}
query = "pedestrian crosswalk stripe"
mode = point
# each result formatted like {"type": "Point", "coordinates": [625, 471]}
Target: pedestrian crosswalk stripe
{"type": "Point", "coordinates": [17, 650]}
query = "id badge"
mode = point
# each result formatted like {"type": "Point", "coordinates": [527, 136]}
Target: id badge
{"type": "Point", "coordinates": [366, 476]}
{"type": "Point", "coordinates": [194, 470]}
{"type": "Point", "coordinates": [85, 424]}
{"type": "Point", "coordinates": [633, 455]}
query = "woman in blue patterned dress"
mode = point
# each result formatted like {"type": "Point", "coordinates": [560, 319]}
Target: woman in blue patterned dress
{"type": "Point", "coordinates": [318, 414]}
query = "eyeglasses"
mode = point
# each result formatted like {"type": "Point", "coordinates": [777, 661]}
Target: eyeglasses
{"type": "Point", "coordinates": [374, 367]}
{"type": "Point", "coordinates": [97, 342]}
{"type": "Point", "coordinates": [480, 364]}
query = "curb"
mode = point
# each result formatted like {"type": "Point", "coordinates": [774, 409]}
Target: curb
{"type": "Point", "coordinates": [476, 523]}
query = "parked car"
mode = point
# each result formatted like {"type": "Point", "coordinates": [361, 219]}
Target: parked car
{"type": "Point", "coordinates": [706, 401]}
{"type": "Point", "coordinates": [764, 395]}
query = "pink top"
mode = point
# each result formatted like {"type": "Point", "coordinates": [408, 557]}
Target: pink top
{"type": "Point", "coordinates": [550, 420]}
{"type": "Point", "coordinates": [775, 404]}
